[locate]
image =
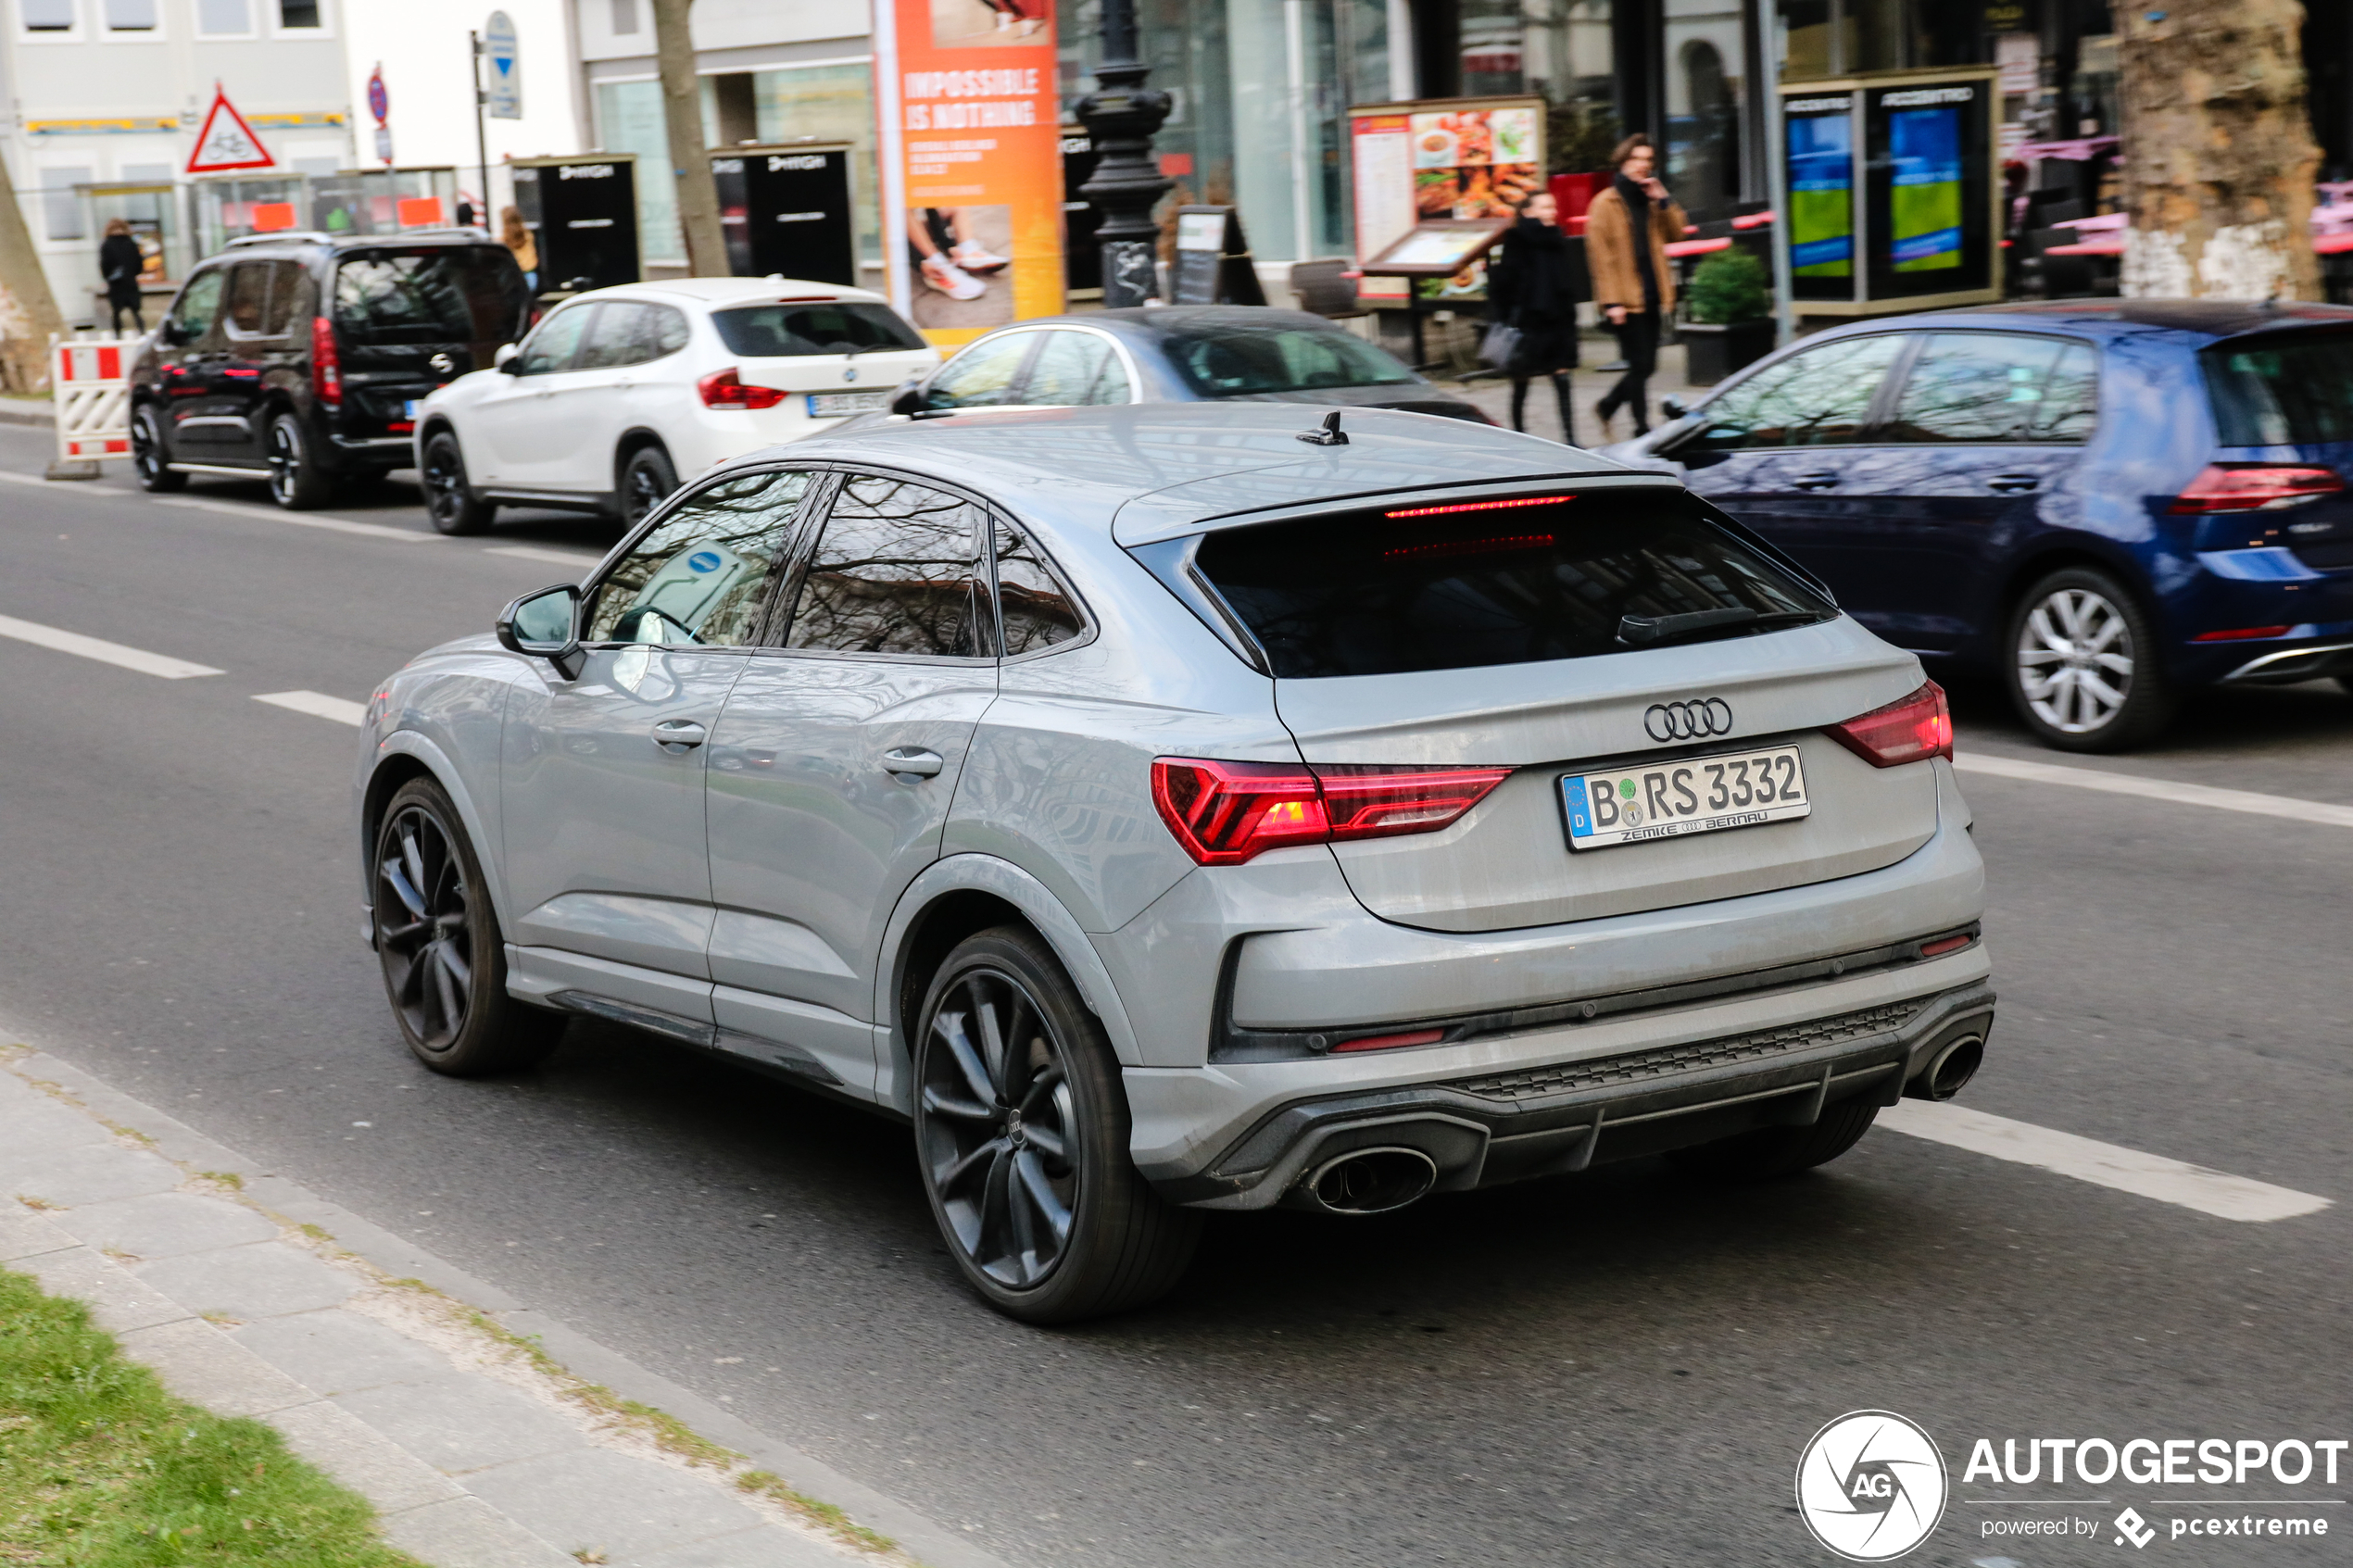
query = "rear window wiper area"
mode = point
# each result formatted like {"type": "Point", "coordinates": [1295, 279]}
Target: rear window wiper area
{"type": "Point", "coordinates": [1699, 625]}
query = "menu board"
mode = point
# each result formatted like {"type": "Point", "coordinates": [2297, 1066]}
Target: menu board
{"type": "Point", "coordinates": [1454, 159]}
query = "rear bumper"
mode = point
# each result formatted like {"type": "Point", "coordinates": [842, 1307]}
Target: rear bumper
{"type": "Point", "coordinates": [1486, 1129]}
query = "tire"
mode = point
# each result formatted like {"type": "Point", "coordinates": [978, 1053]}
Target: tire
{"type": "Point", "coordinates": [149, 455]}
{"type": "Point", "coordinates": [1767, 1153]}
{"type": "Point", "coordinates": [437, 939]}
{"type": "Point", "coordinates": [1006, 1141]}
{"type": "Point", "coordinates": [2084, 665]}
{"type": "Point", "coordinates": [647, 479]}
{"type": "Point", "coordinates": [449, 499]}
{"type": "Point", "coordinates": [297, 483]}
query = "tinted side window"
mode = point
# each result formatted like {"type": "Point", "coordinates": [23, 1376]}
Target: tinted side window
{"type": "Point", "coordinates": [199, 304]}
{"type": "Point", "coordinates": [1810, 399]}
{"type": "Point", "coordinates": [248, 298]}
{"type": "Point", "coordinates": [981, 375]}
{"type": "Point", "coordinates": [1067, 368]}
{"type": "Point", "coordinates": [892, 573]}
{"type": "Point", "coordinates": [773, 332]}
{"type": "Point", "coordinates": [288, 292]}
{"type": "Point", "coordinates": [431, 295]}
{"type": "Point", "coordinates": [1982, 387]}
{"type": "Point", "coordinates": [1035, 610]}
{"type": "Point", "coordinates": [700, 576]}
{"type": "Point", "coordinates": [551, 346]}
{"type": "Point", "coordinates": [611, 339]}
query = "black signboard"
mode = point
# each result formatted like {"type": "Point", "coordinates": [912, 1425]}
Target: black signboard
{"type": "Point", "coordinates": [1212, 260]}
{"type": "Point", "coordinates": [786, 211]}
{"type": "Point", "coordinates": [582, 213]}
{"type": "Point", "coordinates": [1082, 257]}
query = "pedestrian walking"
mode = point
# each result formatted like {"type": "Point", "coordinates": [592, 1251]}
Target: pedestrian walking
{"type": "Point", "coordinates": [1627, 232]}
{"type": "Point", "coordinates": [120, 263]}
{"type": "Point", "coordinates": [1531, 285]}
{"type": "Point", "coordinates": [517, 238]}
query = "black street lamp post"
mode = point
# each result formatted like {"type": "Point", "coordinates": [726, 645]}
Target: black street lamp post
{"type": "Point", "coordinates": [1120, 116]}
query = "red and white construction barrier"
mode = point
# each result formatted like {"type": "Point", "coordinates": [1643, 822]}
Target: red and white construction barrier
{"type": "Point", "coordinates": [90, 380]}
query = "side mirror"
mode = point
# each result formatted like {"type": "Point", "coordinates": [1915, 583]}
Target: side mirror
{"type": "Point", "coordinates": [1672, 408]}
{"type": "Point", "coordinates": [541, 625]}
{"type": "Point", "coordinates": [174, 334]}
{"type": "Point", "coordinates": [505, 359]}
{"type": "Point", "coordinates": [907, 399]}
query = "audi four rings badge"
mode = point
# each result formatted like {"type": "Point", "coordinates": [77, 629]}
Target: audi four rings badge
{"type": "Point", "coordinates": [1688, 721]}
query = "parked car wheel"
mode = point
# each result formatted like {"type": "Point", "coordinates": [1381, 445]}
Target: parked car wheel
{"type": "Point", "coordinates": [1021, 1126]}
{"type": "Point", "coordinates": [646, 481]}
{"type": "Point", "coordinates": [2082, 665]}
{"type": "Point", "coordinates": [150, 458]}
{"type": "Point", "coordinates": [296, 482]}
{"type": "Point", "coordinates": [1769, 1153]}
{"type": "Point", "coordinates": [445, 963]}
{"type": "Point", "coordinates": [449, 500]}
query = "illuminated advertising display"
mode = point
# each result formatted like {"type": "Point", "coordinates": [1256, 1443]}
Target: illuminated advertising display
{"type": "Point", "coordinates": [1925, 195]}
{"type": "Point", "coordinates": [1928, 227]}
{"type": "Point", "coordinates": [1821, 195]}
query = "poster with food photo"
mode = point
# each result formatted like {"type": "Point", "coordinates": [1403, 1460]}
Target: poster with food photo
{"type": "Point", "coordinates": [1449, 159]}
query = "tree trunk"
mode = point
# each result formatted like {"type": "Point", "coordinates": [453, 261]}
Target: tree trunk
{"type": "Point", "coordinates": [28, 310]}
{"type": "Point", "coordinates": [682, 116]}
{"type": "Point", "coordinates": [2218, 153]}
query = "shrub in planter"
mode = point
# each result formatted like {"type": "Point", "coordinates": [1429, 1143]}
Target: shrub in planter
{"type": "Point", "coordinates": [1731, 303]}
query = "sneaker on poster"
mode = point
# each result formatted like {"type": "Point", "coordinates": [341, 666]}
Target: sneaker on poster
{"type": "Point", "coordinates": [951, 280]}
{"type": "Point", "coordinates": [974, 257]}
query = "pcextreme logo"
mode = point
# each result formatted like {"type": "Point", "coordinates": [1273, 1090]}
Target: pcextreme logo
{"type": "Point", "coordinates": [1871, 1486]}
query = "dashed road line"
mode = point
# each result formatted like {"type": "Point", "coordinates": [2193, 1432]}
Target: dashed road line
{"type": "Point", "coordinates": [103, 651]}
{"type": "Point", "coordinates": [319, 704]}
{"type": "Point", "coordinates": [2180, 793]}
{"type": "Point", "coordinates": [535, 552]}
{"type": "Point", "coordinates": [299, 520]}
{"type": "Point", "coordinates": [2103, 1164]}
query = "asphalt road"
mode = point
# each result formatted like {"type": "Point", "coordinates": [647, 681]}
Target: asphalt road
{"type": "Point", "coordinates": [1619, 1367]}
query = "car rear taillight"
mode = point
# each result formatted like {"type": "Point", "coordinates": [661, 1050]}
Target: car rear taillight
{"type": "Point", "coordinates": [1913, 730]}
{"type": "Point", "coordinates": [2242, 634]}
{"type": "Point", "coordinates": [326, 365]}
{"type": "Point", "coordinates": [1224, 814]}
{"type": "Point", "coordinates": [2254, 487]}
{"type": "Point", "coordinates": [723, 389]}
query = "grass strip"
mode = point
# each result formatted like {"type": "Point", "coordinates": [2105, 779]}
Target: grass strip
{"type": "Point", "coordinates": [101, 1468]}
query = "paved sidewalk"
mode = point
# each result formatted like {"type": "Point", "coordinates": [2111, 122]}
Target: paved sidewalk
{"type": "Point", "coordinates": [1493, 395]}
{"type": "Point", "coordinates": [474, 1433]}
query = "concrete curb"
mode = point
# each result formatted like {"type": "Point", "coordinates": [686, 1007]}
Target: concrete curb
{"type": "Point", "coordinates": [465, 1466]}
{"type": "Point", "coordinates": [28, 411]}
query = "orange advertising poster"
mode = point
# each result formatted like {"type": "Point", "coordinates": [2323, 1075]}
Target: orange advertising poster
{"type": "Point", "coordinates": [971, 156]}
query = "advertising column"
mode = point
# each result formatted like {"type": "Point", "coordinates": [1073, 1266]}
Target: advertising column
{"type": "Point", "coordinates": [971, 163]}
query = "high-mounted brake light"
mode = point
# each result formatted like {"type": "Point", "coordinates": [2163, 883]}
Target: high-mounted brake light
{"type": "Point", "coordinates": [1913, 730]}
{"type": "Point", "coordinates": [1224, 814]}
{"type": "Point", "coordinates": [326, 365]}
{"type": "Point", "coordinates": [1480, 505]}
{"type": "Point", "coordinates": [2255, 487]}
{"type": "Point", "coordinates": [724, 389]}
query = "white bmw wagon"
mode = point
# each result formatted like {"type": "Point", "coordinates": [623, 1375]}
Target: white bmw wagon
{"type": "Point", "coordinates": [1179, 807]}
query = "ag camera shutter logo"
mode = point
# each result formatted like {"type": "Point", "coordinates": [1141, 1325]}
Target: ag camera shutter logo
{"type": "Point", "coordinates": [1871, 1486]}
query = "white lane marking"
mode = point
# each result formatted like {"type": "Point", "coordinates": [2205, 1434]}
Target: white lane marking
{"type": "Point", "coordinates": [103, 651]}
{"type": "Point", "coordinates": [300, 520]}
{"type": "Point", "coordinates": [319, 704]}
{"type": "Point", "coordinates": [533, 552]}
{"type": "Point", "coordinates": [2158, 789]}
{"type": "Point", "coordinates": [2103, 1164]}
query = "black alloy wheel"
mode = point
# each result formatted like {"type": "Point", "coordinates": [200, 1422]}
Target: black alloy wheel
{"type": "Point", "coordinates": [437, 938]}
{"type": "Point", "coordinates": [150, 458]}
{"type": "Point", "coordinates": [646, 481]}
{"type": "Point", "coordinates": [296, 482]}
{"type": "Point", "coordinates": [1021, 1127]}
{"type": "Point", "coordinates": [449, 499]}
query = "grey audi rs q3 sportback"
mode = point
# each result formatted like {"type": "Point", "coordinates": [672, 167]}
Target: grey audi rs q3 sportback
{"type": "Point", "coordinates": [1175, 808]}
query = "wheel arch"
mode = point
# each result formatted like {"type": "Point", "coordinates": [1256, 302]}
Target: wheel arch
{"type": "Point", "coordinates": [2059, 555]}
{"type": "Point", "coordinates": [406, 754]}
{"type": "Point", "coordinates": [954, 898]}
{"type": "Point", "coordinates": [633, 441]}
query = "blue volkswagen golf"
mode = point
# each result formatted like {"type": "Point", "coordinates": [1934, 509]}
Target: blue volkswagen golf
{"type": "Point", "coordinates": [2109, 502]}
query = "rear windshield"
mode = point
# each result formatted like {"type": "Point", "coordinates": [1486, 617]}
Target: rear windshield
{"type": "Point", "coordinates": [1243, 361]}
{"type": "Point", "coordinates": [445, 293]}
{"type": "Point", "coordinates": [1559, 576]}
{"type": "Point", "coordinates": [2283, 391]}
{"type": "Point", "coordinates": [783, 332]}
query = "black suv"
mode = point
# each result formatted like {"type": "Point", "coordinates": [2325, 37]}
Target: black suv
{"type": "Point", "coordinates": [302, 357]}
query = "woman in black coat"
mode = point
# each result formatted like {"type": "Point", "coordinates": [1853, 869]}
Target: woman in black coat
{"type": "Point", "coordinates": [119, 263]}
{"type": "Point", "coordinates": [1533, 284]}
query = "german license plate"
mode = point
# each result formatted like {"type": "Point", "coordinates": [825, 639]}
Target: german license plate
{"type": "Point", "coordinates": [838, 405]}
{"type": "Point", "coordinates": [1739, 789]}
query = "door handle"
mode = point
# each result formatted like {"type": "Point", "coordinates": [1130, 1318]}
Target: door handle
{"type": "Point", "coordinates": [1814, 481]}
{"type": "Point", "coordinates": [912, 759]}
{"type": "Point", "coordinates": [2014, 483]}
{"type": "Point", "coordinates": [678, 736]}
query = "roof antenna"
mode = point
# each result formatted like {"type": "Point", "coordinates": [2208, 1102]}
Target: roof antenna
{"type": "Point", "coordinates": [1330, 435]}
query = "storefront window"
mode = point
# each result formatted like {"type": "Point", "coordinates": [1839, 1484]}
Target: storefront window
{"type": "Point", "coordinates": [629, 120]}
{"type": "Point", "coordinates": [833, 104]}
{"type": "Point", "coordinates": [1704, 92]}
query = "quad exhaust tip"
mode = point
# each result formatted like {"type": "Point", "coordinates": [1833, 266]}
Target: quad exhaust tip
{"type": "Point", "coordinates": [1950, 1071]}
{"type": "Point", "coordinates": [1371, 1181]}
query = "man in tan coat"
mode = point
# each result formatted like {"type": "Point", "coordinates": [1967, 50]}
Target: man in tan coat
{"type": "Point", "coordinates": [1633, 283]}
